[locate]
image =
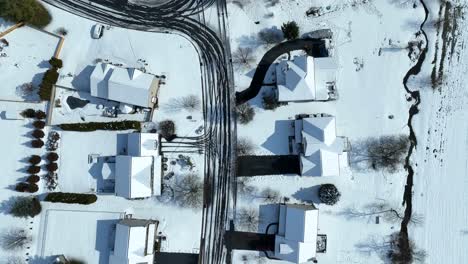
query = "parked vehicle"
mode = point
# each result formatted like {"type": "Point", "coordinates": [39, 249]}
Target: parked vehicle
{"type": "Point", "coordinates": [98, 31]}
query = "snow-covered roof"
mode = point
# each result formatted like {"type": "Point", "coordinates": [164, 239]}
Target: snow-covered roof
{"type": "Point", "coordinates": [137, 177]}
{"type": "Point", "coordinates": [134, 242]}
{"type": "Point", "coordinates": [143, 144]}
{"type": "Point", "coordinates": [305, 78]}
{"type": "Point", "coordinates": [296, 240]}
{"type": "Point", "coordinates": [320, 148]}
{"type": "Point", "coordinates": [127, 85]}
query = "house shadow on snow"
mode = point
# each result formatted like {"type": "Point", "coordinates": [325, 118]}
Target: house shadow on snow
{"type": "Point", "coordinates": [105, 235]}
{"type": "Point", "coordinates": [278, 142]}
{"type": "Point", "coordinates": [81, 81]}
{"type": "Point", "coordinates": [268, 215]}
{"type": "Point", "coordinates": [308, 195]}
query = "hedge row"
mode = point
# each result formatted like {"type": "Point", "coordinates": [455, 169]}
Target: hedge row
{"type": "Point", "coordinates": [70, 198]}
{"type": "Point", "coordinates": [93, 126]}
{"type": "Point", "coordinates": [49, 79]}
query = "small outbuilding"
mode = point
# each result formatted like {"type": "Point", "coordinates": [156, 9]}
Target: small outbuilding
{"type": "Point", "coordinates": [127, 85]}
{"type": "Point", "coordinates": [306, 78]}
{"type": "Point", "coordinates": [296, 240]}
{"type": "Point", "coordinates": [134, 242]}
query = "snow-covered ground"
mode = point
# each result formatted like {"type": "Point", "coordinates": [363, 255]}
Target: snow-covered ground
{"type": "Point", "coordinates": [440, 158]}
{"type": "Point", "coordinates": [372, 102]}
{"type": "Point", "coordinates": [18, 67]}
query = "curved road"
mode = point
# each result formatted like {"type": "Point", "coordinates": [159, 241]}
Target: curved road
{"type": "Point", "coordinates": [217, 91]}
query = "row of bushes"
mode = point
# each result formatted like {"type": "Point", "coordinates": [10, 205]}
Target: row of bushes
{"type": "Point", "coordinates": [70, 198]}
{"type": "Point", "coordinates": [93, 126]}
{"type": "Point", "coordinates": [49, 79]}
{"type": "Point", "coordinates": [31, 113]}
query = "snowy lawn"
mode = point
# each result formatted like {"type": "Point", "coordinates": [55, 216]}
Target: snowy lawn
{"type": "Point", "coordinates": [24, 60]}
{"type": "Point", "coordinates": [83, 235]}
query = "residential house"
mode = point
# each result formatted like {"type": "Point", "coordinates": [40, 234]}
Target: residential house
{"type": "Point", "coordinates": [321, 152]}
{"type": "Point", "coordinates": [306, 78]}
{"type": "Point", "coordinates": [134, 242]}
{"type": "Point", "coordinates": [125, 85]}
{"type": "Point", "coordinates": [138, 174]}
{"type": "Point", "coordinates": [296, 240]}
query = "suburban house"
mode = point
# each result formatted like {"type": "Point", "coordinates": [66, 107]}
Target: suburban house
{"type": "Point", "coordinates": [306, 78]}
{"type": "Point", "coordinates": [138, 173]}
{"type": "Point", "coordinates": [321, 152]}
{"type": "Point", "coordinates": [296, 240]}
{"type": "Point", "coordinates": [134, 242]}
{"type": "Point", "coordinates": [125, 85]}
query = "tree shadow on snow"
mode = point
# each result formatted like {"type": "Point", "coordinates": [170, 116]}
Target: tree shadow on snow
{"type": "Point", "coordinates": [308, 195]}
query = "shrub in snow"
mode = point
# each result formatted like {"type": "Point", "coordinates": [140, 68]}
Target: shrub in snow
{"type": "Point", "coordinates": [45, 90]}
{"type": "Point", "coordinates": [29, 11]}
{"type": "Point", "coordinates": [167, 129]}
{"type": "Point", "coordinates": [37, 143]}
{"type": "Point", "coordinates": [33, 179]}
{"type": "Point", "coordinates": [329, 194]}
{"type": "Point", "coordinates": [26, 206]}
{"type": "Point", "coordinates": [35, 159]}
{"type": "Point", "coordinates": [39, 124]}
{"type": "Point", "coordinates": [56, 63]}
{"type": "Point", "coordinates": [52, 141]}
{"type": "Point", "coordinates": [52, 167]}
{"type": "Point", "coordinates": [34, 169]}
{"type": "Point", "coordinates": [188, 191]}
{"type": "Point", "coordinates": [51, 76]}
{"type": "Point", "coordinates": [52, 156]}
{"type": "Point", "coordinates": [51, 181]}
{"type": "Point", "coordinates": [15, 239]}
{"type": "Point", "coordinates": [269, 101]}
{"type": "Point", "coordinates": [26, 187]}
{"type": "Point", "coordinates": [93, 126]}
{"type": "Point", "coordinates": [71, 198]}
{"type": "Point", "coordinates": [40, 114]}
{"type": "Point", "coordinates": [271, 35]}
{"type": "Point", "coordinates": [190, 102]}
{"type": "Point", "coordinates": [38, 133]}
{"type": "Point", "coordinates": [245, 113]}
{"type": "Point", "coordinates": [248, 219]}
{"type": "Point", "coordinates": [244, 147]}
{"type": "Point", "coordinates": [28, 113]}
{"type": "Point", "coordinates": [290, 30]}
{"type": "Point", "coordinates": [61, 31]}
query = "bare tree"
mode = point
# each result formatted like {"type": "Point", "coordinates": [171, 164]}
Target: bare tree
{"type": "Point", "coordinates": [270, 196]}
{"type": "Point", "coordinates": [188, 191]}
{"type": "Point", "coordinates": [403, 250]}
{"type": "Point", "coordinates": [245, 189]}
{"type": "Point", "coordinates": [15, 239]}
{"type": "Point", "coordinates": [244, 147]}
{"type": "Point", "coordinates": [248, 219]}
{"type": "Point", "coordinates": [382, 153]}
{"type": "Point", "coordinates": [25, 207]}
{"type": "Point", "coordinates": [25, 90]}
{"type": "Point", "coordinates": [190, 103]}
{"type": "Point", "coordinates": [243, 57]}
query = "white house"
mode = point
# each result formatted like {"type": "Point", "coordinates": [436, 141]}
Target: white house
{"type": "Point", "coordinates": [134, 242]}
{"type": "Point", "coordinates": [321, 152]}
{"type": "Point", "coordinates": [305, 79]}
{"type": "Point", "coordinates": [296, 240]}
{"type": "Point", "coordinates": [138, 174]}
{"type": "Point", "coordinates": [126, 85]}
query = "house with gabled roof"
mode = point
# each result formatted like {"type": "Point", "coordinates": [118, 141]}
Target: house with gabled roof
{"type": "Point", "coordinates": [134, 242]}
{"type": "Point", "coordinates": [296, 239]}
{"type": "Point", "coordinates": [305, 78]}
{"type": "Point", "coordinates": [321, 152]}
{"type": "Point", "coordinates": [138, 174]}
{"type": "Point", "coordinates": [126, 85]}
